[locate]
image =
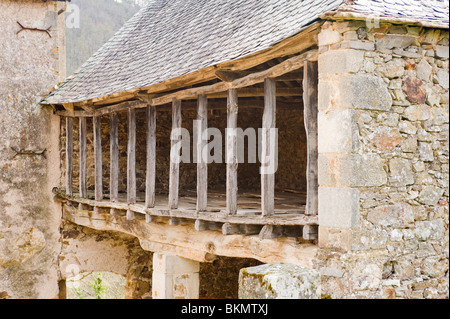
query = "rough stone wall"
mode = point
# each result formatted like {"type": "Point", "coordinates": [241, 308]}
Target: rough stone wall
{"type": "Point", "coordinates": [383, 160]}
{"type": "Point", "coordinates": [291, 173]}
{"type": "Point", "coordinates": [89, 250]}
{"type": "Point", "coordinates": [220, 279]}
{"type": "Point", "coordinates": [31, 64]}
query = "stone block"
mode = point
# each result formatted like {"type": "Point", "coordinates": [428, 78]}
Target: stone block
{"type": "Point", "coordinates": [386, 139]}
{"type": "Point", "coordinates": [401, 173]}
{"type": "Point", "coordinates": [443, 78]}
{"type": "Point", "coordinates": [430, 195]}
{"type": "Point", "coordinates": [338, 132]}
{"type": "Point", "coordinates": [354, 91]}
{"type": "Point", "coordinates": [175, 277]}
{"type": "Point", "coordinates": [394, 69]}
{"type": "Point", "coordinates": [416, 112]}
{"type": "Point", "coordinates": [391, 41]}
{"type": "Point", "coordinates": [426, 153]}
{"type": "Point", "coordinates": [335, 238]}
{"type": "Point", "coordinates": [172, 264]}
{"type": "Point", "coordinates": [442, 52]}
{"type": "Point", "coordinates": [338, 207]}
{"type": "Point", "coordinates": [351, 170]}
{"type": "Point", "coordinates": [424, 70]}
{"type": "Point", "coordinates": [329, 36]}
{"type": "Point", "coordinates": [279, 281]}
{"type": "Point", "coordinates": [340, 61]}
{"type": "Point", "coordinates": [414, 90]}
{"type": "Point", "coordinates": [397, 215]}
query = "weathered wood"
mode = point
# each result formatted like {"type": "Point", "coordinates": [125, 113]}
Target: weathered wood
{"type": "Point", "coordinates": [310, 232]}
{"type": "Point", "coordinates": [98, 158]}
{"type": "Point", "coordinates": [230, 76]}
{"type": "Point", "coordinates": [120, 107]}
{"type": "Point", "coordinates": [231, 229]}
{"type": "Point", "coordinates": [252, 221]}
{"type": "Point", "coordinates": [285, 67]}
{"type": "Point", "coordinates": [174, 177]}
{"type": "Point", "coordinates": [114, 158]}
{"type": "Point", "coordinates": [131, 157]}
{"type": "Point", "coordinates": [203, 225]}
{"type": "Point", "coordinates": [202, 160]}
{"type": "Point", "coordinates": [150, 180]}
{"type": "Point", "coordinates": [267, 153]}
{"type": "Point", "coordinates": [185, 242]}
{"type": "Point", "coordinates": [231, 152]}
{"type": "Point", "coordinates": [83, 152]}
{"type": "Point", "coordinates": [69, 156]}
{"type": "Point", "coordinates": [272, 232]}
{"type": "Point", "coordinates": [310, 89]}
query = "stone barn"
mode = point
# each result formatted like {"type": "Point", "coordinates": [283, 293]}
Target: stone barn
{"type": "Point", "coordinates": [258, 149]}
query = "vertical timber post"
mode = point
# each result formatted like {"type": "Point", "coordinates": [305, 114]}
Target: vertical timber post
{"type": "Point", "coordinates": [83, 141]}
{"type": "Point", "coordinates": [269, 123]}
{"type": "Point", "coordinates": [98, 158]}
{"type": "Point", "coordinates": [131, 161]}
{"type": "Point", "coordinates": [114, 153]}
{"type": "Point", "coordinates": [69, 156]}
{"type": "Point", "coordinates": [202, 160]}
{"type": "Point", "coordinates": [310, 98]}
{"type": "Point", "coordinates": [174, 155]}
{"type": "Point", "coordinates": [151, 158]}
{"type": "Point", "coordinates": [231, 153]}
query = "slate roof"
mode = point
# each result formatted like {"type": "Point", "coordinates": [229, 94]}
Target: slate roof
{"type": "Point", "coordinates": [171, 38]}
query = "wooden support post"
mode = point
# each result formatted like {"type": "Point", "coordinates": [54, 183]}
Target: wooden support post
{"type": "Point", "coordinates": [83, 151]}
{"type": "Point", "coordinates": [151, 158]}
{"type": "Point", "coordinates": [231, 152]}
{"type": "Point", "coordinates": [114, 152]}
{"type": "Point", "coordinates": [310, 97]}
{"type": "Point", "coordinates": [174, 156]}
{"type": "Point", "coordinates": [267, 156]}
{"type": "Point", "coordinates": [202, 161]}
{"type": "Point", "coordinates": [98, 159]}
{"type": "Point", "coordinates": [69, 156]}
{"type": "Point", "coordinates": [131, 157]}
{"type": "Point", "coordinates": [131, 161]}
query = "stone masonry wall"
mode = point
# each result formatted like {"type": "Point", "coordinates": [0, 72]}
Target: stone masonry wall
{"type": "Point", "coordinates": [383, 160]}
{"type": "Point", "coordinates": [31, 64]}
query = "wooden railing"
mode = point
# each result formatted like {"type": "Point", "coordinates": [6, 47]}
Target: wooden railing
{"type": "Point", "coordinates": [267, 223]}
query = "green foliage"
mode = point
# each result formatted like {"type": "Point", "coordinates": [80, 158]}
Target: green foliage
{"type": "Point", "coordinates": [99, 21]}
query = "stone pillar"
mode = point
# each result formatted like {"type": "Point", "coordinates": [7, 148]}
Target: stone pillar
{"type": "Point", "coordinates": [175, 277]}
{"type": "Point", "coordinates": [343, 168]}
{"type": "Point", "coordinates": [279, 281]}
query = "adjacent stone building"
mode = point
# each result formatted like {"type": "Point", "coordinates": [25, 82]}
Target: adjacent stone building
{"type": "Point", "coordinates": [358, 207]}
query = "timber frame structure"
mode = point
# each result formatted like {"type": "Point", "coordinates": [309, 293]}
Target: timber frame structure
{"type": "Point", "coordinates": [294, 60]}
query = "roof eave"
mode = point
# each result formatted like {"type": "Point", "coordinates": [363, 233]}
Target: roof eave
{"type": "Point", "coordinates": [342, 15]}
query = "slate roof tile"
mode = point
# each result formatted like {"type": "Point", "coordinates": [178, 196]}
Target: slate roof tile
{"type": "Point", "coordinates": [171, 38]}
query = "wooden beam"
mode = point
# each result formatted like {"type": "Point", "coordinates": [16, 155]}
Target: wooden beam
{"type": "Point", "coordinates": [230, 76]}
{"type": "Point", "coordinates": [289, 65]}
{"type": "Point", "coordinates": [310, 89]}
{"type": "Point", "coordinates": [69, 156]}
{"type": "Point", "coordinates": [83, 152]}
{"type": "Point", "coordinates": [202, 162]}
{"type": "Point", "coordinates": [131, 157]}
{"type": "Point", "coordinates": [114, 158]}
{"type": "Point", "coordinates": [267, 156]}
{"type": "Point", "coordinates": [259, 92]}
{"type": "Point", "coordinates": [174, 178]}
{"type": "Point", "coordinates": [231, 152]}
{"type": "Point", "coordinates": [150, 181]}
{"type": "Point", "coordinates": [98, 159]}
